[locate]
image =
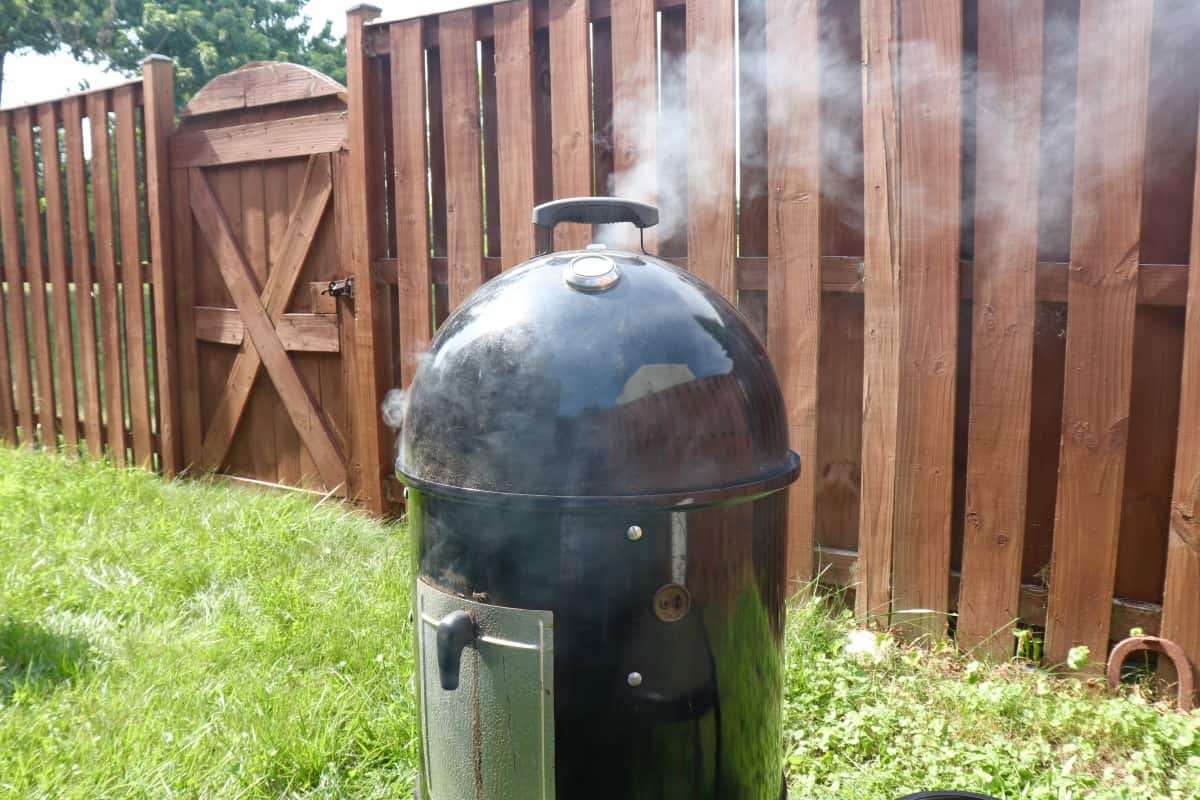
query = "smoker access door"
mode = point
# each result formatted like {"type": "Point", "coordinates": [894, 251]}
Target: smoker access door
{"type": "Point", "coordinates": [492, 738]}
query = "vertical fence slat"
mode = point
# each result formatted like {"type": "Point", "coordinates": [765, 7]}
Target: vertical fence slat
{"type": "Point", "coordinates": [106, 274]}
{"type": "Point", "coordinates": [81, 273]}
{"type": "Point", "coordinates": [930, 190]}
{"type": "Point", "coordinates": [571, 111]}
{"type": "Point", "coordinates": [23, 377]}
{"type": "Point", "coordinates": [8, 421]}
{"type": "Point", "coordinates": [131, 275]}
{"type": "Point", "coordinates": [460, 114]}
{"type": "Point", "coordinates": [1181, 600]}
{"type": "Point", "coordinates": [437, 153]}
{"type": "Point", "coordinates": [518, 135]}
{"type": "Point", "coordinates": [794, 274]}
{"type": "Point", "coordinates": [753, 97]}
{"type": "Point", "coordinates": [753, 237]}
{"type": "Point", "coordinates": [415, 280]}
{"type": "Point", "coordinates": [711, 162]}
{"type": "Point", "coordinates": [672, 160]}
{"type": "Point", "coordinates": [60, 289]}
{"type": "Point", "coordinates": [491, 148]}
{"type": "Point", "coordinates": [183, 258]}
{"type": "Point", "coordinates": [1114, 56]}
{"type": "Point", "coordinates": [635, 89]}
{"type": "Point", "coordinates": [602, 106]}
{"type": "Point", "coordinates": [372, 320]}
{"type": "Point", "coordinates": [1009, 125]}
{"type": "Point", "coordinates": [158, 115]}
{"type": "Point", "coordinates": [36, 277]}
{"type": "Point", "coordinates": [881, 314]}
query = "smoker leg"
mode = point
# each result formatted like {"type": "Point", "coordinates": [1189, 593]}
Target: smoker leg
{"type": "Point", "coordinates": [783, 788]}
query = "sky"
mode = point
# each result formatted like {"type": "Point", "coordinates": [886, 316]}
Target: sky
{"type": "Point", "coordinates": [31, 78]}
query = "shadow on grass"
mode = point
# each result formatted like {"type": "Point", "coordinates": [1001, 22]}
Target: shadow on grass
{"type": "Point", "coordinates": [33, 659]}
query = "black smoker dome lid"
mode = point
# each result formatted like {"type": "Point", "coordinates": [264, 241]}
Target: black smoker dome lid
{"type": "Point", "coordinates": [594, 378]}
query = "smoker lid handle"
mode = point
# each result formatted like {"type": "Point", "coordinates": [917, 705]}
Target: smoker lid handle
{"type": "Point", "coordinates": [595, 211]}
{"type": "Point", "coordinates": [454, 632]}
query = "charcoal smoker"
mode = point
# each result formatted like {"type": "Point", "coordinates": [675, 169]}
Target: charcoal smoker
{"type": "Point", "coordinates": [595, 449]}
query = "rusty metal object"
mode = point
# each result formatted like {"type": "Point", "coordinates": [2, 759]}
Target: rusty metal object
{"type": "Point", "coordinates": [1183, 667]}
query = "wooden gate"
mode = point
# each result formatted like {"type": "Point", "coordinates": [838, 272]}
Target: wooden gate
{"type": "Point", "coordinates": [267, 373]}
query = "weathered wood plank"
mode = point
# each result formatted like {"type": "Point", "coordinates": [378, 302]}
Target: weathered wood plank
{"type": "Point", "coordinates": [571, 112]}
{"type": "Point", "coordinates": [260, 141]}
{"type": "Point", "coordinates": [131, 272]}
{"type": "Point", "coordinates": [1114, 56]}
{"type": "Point", "coordinates": [261, 84]}
{"type": "Point", "coordinates": [672, 161]}
{"type": "Point", "coordinates": [9, 233]}
{"type": "Point", "coordinates": [184, 259]}
{"type": "Point", "coordinates": [280, 189]}
{"type": "Point", "coordinates": [256, 450]}
{"type": "Point", "coordinates": [239, 279]}
{"type": "Point", "coordinates": [635, 89]}
{"type": "Point", "coordinates": [753, 94]}
{"type": "Point", "coordinates": [602, 107]}
{"type": "Point", "coordinates": [60, 288]}
{"type": "Point", "coordinates": [8, 421]}
{"type": "Point", "coordinates": [437, 147]}
{"type": "Point", "coordinates": [412, 199]}
{"type": "Point", "coordinates": [35, 275]}
{"type": "Point", "coordinates": [930, 189]}
{"type": "Point", "coordinates": [276, 291]}
{"type": "Point", "coordinates": [106, 275]}
{"type": "Point", "coordinates": [158, 120]}
{"type": "Point", "coordinates": [1181, 601]}
{"type": "Point", "coordinates": [491, 147]}
{"type": "Point", "coordinates": [367, 236]}
{"type": "Point", "coordinates": [518, 136]}
{"type": "Point", "coordinates": [711, 162]}
{"type": "Point", "coordinates": [1005, 276]}
{"type": "Point", "coordinates": [298, 332]}
{"type": "Point", "coordinates": [460, 114]}
{"type": "Point", "coordinates": [81, 273]}
{"type": "Point", "coordinates": [794, 241]}
{"type": "Point", "coordinates": [881, 339]}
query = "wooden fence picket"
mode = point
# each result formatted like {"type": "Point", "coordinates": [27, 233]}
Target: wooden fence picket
{"type": "Point", "coordinates": [1114, 64]}
{"type": "Point", "coordinates": [463, 137]}
{"type": "Point", "coordinates": [15, 296]}
{"type": "Point", "coordinates": [570, 105]}
{"type": "Point", "coordinates": [35, 275]}
{"type": "Point", "coordinates": [794, 273]}
{"type": "Point", "coordinates": [56, 256]}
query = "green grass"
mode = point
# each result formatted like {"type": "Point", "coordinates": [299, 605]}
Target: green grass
{"type": "Point", "coordinates": [164, 640]}
{"type": "Point", "coordinates": [180, 640]}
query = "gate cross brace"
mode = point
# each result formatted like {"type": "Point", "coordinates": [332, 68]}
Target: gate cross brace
{"type": "Point", "coordinates": [260, 313]}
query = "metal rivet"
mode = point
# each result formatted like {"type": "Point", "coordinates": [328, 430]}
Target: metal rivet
{"type": "Point", "coordinates": [634, 679]}
{"type": "Point", "coordinates": [634, 533]}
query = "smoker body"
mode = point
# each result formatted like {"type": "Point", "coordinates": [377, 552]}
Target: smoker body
{"type": "Point", "coordinates": [595, 452]}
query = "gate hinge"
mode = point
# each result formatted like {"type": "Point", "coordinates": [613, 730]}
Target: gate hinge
{"type": "Point", "coordinates": [340, 287]}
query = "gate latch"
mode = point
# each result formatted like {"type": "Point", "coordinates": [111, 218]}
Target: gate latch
{"type": "Point", "coordinates": [340, 287]}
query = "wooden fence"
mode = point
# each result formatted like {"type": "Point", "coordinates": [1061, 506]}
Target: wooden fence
{"type": "Point", "coordinates": [85, 343]}
{"type": "Point", "coordinates": [963, 231]}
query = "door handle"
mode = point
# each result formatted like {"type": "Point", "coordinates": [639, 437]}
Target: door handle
{"type": "Point", "coordinates": [454, 632]}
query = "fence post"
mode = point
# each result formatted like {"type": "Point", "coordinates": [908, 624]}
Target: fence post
{"type": "Point", "coordinates": [158, 120]}
{"type": "Point", "coordinates": [366, 242]}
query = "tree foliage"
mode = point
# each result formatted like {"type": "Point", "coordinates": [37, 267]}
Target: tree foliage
{"type": "Point", "coordinates": [205, 38]}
